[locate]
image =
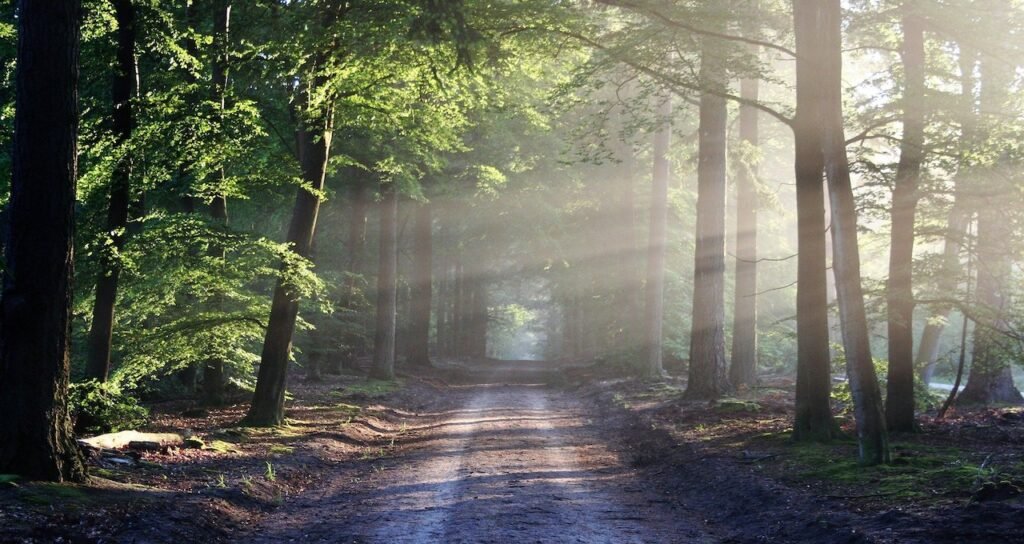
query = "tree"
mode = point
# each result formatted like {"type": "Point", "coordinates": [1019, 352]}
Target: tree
{"type": "Point", "coordinates": [122, 94]}
{"type": "Point", "coordinates": [387, 286]}
{"type": "Point", "coordinates": [743, 368]}
{"type": "Point", "coordinates": [314, 143]}
{"type": "Point", "coordinates": [872, 436]}
{"type": "Point", "coordinates": [213, 369]}
{"type": "Point", "coordinates": [654, 304]}
{"type": "Point", "coordinates": [990, 379]}
{"type": "Point", "coordinates": [899, 407]}
{"type": "Point", "coordinates": [958, 218]}
{"type": "Point", "coordinates": [708, 377]}
{"type": "Point", "coordinates": [813, 419]}
{"type": "Point", "coordinates": [36, 440]}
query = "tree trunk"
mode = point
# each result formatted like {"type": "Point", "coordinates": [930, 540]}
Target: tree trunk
{"type": "Point", "coordinates": [36, 440]}
{"type": "Point", "coordinates": [743, 369]}
{"type": "Point", "coordinates": [387, 287]}
{"type": "Point", "coordinates": [899, 407]}
{"type": "Point", "coordinates": [990, 380]}
{"type": "Point", "coordinates": [708, 376]}
{"type": "Point", "coordinates": [441, 306]}
{"type": "Point", "coordinates": [213, 369]}
{"type": "Point", "coordinates": [957, 221]}
{"type": "Point", "coordinates": [418, 351]}
{"type": "Point", "coordinates": [872, 437]}
{"type": "Point", "coordinates": [654, 303]}
{"type": "Point", "coordinates": [122, 91]}
{"type": "Point", "coordinates": [813, 420]}
{"type": "Point", "coordinates": [314, 144]}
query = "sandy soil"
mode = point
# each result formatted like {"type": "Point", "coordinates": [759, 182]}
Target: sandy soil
{"type": "Point", "coordinates": [510, 463]}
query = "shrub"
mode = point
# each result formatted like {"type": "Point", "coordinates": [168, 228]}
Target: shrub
{"type": "Point", "coordinates": [102, 408]}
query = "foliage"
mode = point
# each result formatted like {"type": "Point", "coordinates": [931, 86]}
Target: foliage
{"type": "Point", "coordinates": [98, 408]}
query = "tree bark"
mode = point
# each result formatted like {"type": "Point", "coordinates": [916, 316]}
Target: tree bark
{"type": "Point", "coordinates": [813, 419]}
{"type": "Point", "coordinates": [708, 375]}
{"type": "Point", "coordinates": [122, 91]}
{"type": "Point", "coordinates": [743, 369]}
{"type": "Point", "coordinates": [899, 407]}
{"type": "Point", "coordinates": [387, 287]}
{"type": "Point", "coordinates": [314, 143]}
{"type": "Point", "coordinates": [418, 353]}
{"type": "Point", "coordinates": [872, 436]}
{"type": "Point", "coordinates": [36, 440]}
{"type": "Point", "coordinates": [654, 303]}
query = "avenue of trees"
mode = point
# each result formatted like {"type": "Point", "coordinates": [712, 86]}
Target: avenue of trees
{"type": "Point", "coordinates": [208, 199]}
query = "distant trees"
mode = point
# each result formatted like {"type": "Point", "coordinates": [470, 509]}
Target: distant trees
{"type": "Point", "coordinates": [122, 94]}
{"type": "Point", "coordinates": [387, 286]}
{"type": "Point", "coordinates": [654, 304]}
{"type": "Point", "coordinates": [36, 441]}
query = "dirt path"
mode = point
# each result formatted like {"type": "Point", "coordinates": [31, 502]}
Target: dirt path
{"type": "Point", "coordinates": [512, 463]}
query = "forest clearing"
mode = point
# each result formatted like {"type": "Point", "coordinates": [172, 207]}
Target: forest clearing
{"type": "Point", "coordinates": [512, 271]}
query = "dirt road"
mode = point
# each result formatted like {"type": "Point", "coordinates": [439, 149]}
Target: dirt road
{"type": "Point", "coordinates": [512, 463]}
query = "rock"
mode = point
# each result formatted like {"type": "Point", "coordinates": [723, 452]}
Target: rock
{"type": "Point", "coordinates": [731, 406]}
{"type": "Point", "coordinates": [123, 439]}
{"type": "Point", "coordinates": [194, 442]}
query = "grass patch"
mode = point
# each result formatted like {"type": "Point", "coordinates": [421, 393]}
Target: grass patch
{"type": "Point", "coordinates": [281, 449]}
{"type": "Point", "coordinates": [221, 446]}
{"type": "Point", "coordinates": [917, 471]}
{"type": "Point", "coordinates": [45, 494]}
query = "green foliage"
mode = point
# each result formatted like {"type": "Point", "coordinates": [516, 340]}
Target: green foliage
{"type": "Point", "coordinates": [103, 407]}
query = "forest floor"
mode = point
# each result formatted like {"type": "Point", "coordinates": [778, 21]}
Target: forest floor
{"type": "Point", "coordinates": [520, 452]}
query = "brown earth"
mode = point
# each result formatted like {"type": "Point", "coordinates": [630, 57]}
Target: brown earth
{"type": "Point", "coordinates": [521, 452]}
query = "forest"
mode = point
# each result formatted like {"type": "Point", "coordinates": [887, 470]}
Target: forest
{"type": "Point", "coordinates": [512, 271]}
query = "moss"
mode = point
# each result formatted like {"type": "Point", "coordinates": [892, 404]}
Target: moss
{"type": "Point", "coordinates": [917, 471]}
{"type": "Point", "coordinates": [221, 446]}
{"type": "Point", "coordinates": [50, 493]}
{"type": "Point", "coordinates": [281, 449]}
{"type": "Point", "coordinates": [732, 406]}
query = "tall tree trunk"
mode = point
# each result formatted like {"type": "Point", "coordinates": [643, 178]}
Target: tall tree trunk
{"type": "Point", "coordinates": [418, 352]}
{"type": "Point", "coordinates": [441, 306]}
{"type": "Point", "coordinates": [899, 404]}
{"type": "Point", "coordinates": [387, 287]}
{"type": "Point", "coordinates": [122, 91]}
{"type": "Point", "coordinates": [458, 320]}
{"type": "Point", "coordinates": [957, 221]}
{"type": "Point", "coordinates": [872, 436]}
{"type": "Point", "coordinates": [708, 376]}
{"type": "Point", "coordinates": [743, 368]}
{"type": "Point", "coordinates": [654, 303]}
{"type": "Point", "coordinates": [990, 379]}
{"type": "Point", "coordinates": [36, 440]}
{"type": "Point", "coordinates": [213, 369]}
{"type": "Point", "coordinates": [813, 420]}
{"type": "Point", "coordinates": [478, 335]}
{"type": "Point", "coordinates": [632, 281]}
{"type": "Point", "coordinates": [314, 143]}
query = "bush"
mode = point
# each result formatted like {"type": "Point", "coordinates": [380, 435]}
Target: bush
{"type": "Point", "coordinates": [98, 408]}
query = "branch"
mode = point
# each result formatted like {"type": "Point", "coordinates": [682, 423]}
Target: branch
{"type": "Point", "coordinates": [782, 118]}
{"type": "Point", "coordinates": [690, 28]}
